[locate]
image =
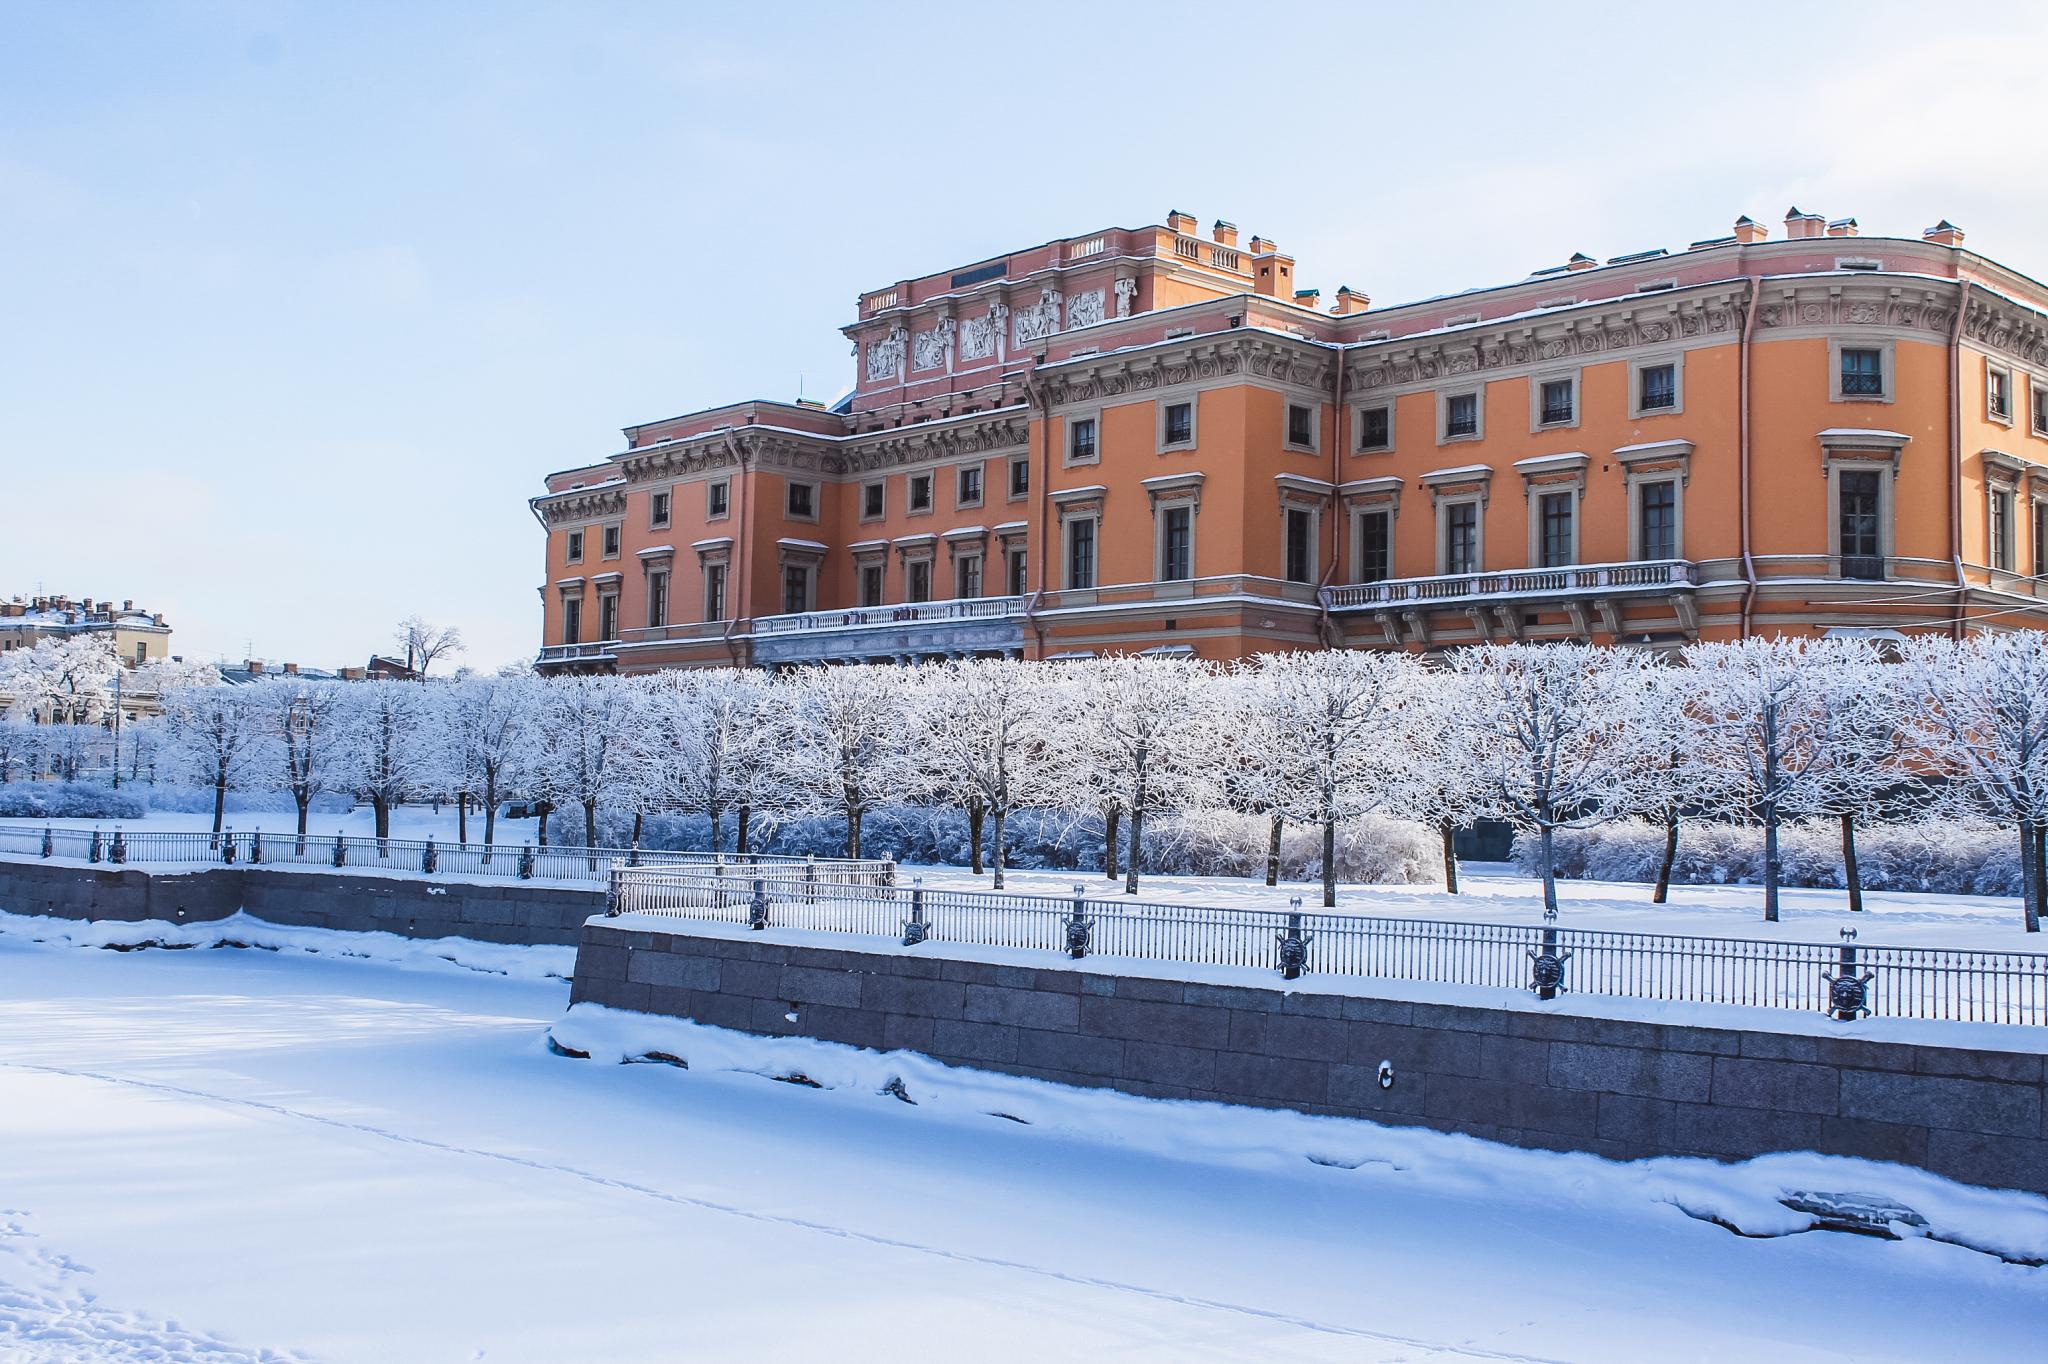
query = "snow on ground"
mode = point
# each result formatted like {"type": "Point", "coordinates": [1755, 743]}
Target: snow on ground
{"type": "Point", "coordinates": [1492, 893]}
{"type": "Point", "coordinates": [234, 1155]}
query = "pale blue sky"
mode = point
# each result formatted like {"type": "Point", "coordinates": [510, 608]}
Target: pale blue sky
{"type": "Point", "coordinates": [298, 301]}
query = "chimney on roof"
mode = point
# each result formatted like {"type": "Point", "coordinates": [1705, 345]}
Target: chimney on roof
{"type": "Point", "coordinates": [1748, 231]}
{"type": "Point", "coordinates": [1842, 227]}
{"type": "Point", "coordinates": [1308, 298]}
{"type": "Point", "coordinates": [127, 603]}
{"type": "Point", "coordinates": [291, 670]}
{"type": "Point", "coordinates": [1272, 273]}
{"type": "Point", "coordinates": [1799, 224]}
{"type": "Point", "coordinates": [1350, 301]}
{"type": "Point", "coordinates": [254, 665]}
{"type": "Point", "coordinates": [1580, 261]}
{"type": "Point", "coordinates": [1944, 233]}
{"type": "Point", "coordinates": [1224, 234]}
{"type": "Point", "coordinates": [1183, 223]}
{"type": "Point", "coordinates": [157, 619]}
{"type": "Point", "coordinates": [1261, 246]}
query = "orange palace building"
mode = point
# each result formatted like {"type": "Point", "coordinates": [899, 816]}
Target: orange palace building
{"type": "Point", "coordinates": [1151, 439]}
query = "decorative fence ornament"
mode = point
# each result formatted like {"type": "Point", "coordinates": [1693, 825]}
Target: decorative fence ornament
{"type": "Point", "coordinates": [1080, 929]}
{"type": "Point", "coordinates": [1848, 992]}
{"type": "Point", "coordinates": [430, 859]}
{"type": "Point", "coordinates": [49, 842]}
{"type": "Point", "coordinates": [119, 852]}
{"type": "Point", "coordinates": [757, 907]}
{"type": "Point", "coordinates": [1546, 968]}
{"type": "Point", "coordinates": [256, 848]}
{"type": "Point", "coordinates": [1294, 944]}
{"type": "Point", "coordinates": [93, 853]}
{"type": "Point", "coordinates": [915, 929]}
{"type": "Point", "coordinates": [340, 851]}
{"type": "Point", "coordinates": [526, 862]}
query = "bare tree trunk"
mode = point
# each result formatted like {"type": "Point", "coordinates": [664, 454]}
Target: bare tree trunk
{"type": "Point", "coordinates": [1448, 832]}
{"type": "Point", "coordinates": [1850, 875]}
{"type": "Point", "coordinates": [1662, 894]}
{"type": "Point", "coordinates": [545, 808]}
{"type": "Point", "coordinates": [1772, 865]}
{"type": "Point", "coordinates": [1137, 828]}
{"type": "Point", "coordinates": [380, 806]}
{"type": "Point", "coordinates": [1002, 813]}
{"type": "Point", "coordinates": [1273, 851]}
{"type": "Point", "coordinates": [590, 829]}
{"type": "Point", "coordinates": [853, 831]}
{"type": "Point", "coordinates": [1549, 869]}
{"type": "Point", "coordinates": [745, 817]}
{"type": "Point", "coordinates": [490, 820]}
{"type": "Point", "coordinates": [2041, 861]}
{"type": "Point", "coordinates": [976, 810]}
{"type": "Point", "coordinates": [1329, 860]}
{"type": "Point", "coordinates": [304, 800]}
{"type": "Point", "coordinates": [717, 813]}
{"type": "Point", "coordinates": [2030, 878]}
{"type": "Point", "coordinates": [220, 807]}
{"type": "Point", "coordinates": [639, 825]}
{"type": "Point", "coordinates": [462, 817]}
{"type": "Point", "coordinates": [1112, 815]}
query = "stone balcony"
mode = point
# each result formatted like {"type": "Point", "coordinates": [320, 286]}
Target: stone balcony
{"type": "Point", "coordinates": [1495, 602]}
{"type": "Point", "coordinates": [905, 632]}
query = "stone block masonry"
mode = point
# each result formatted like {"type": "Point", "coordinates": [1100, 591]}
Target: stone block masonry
{"type": "Point", "coordinates": [1543, 1079]}
{"type": "Point", "coordinates": [302, 897]}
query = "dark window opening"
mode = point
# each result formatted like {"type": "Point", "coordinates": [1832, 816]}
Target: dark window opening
{"type": "Point", "coordinates": [1375, 547]}
{"type": "Point", "coordinates": [1858, 492]}
{"type": "Point", "coordinates": [1300, 545]}
{"type": "Point", "coordinates": [1461, 415]}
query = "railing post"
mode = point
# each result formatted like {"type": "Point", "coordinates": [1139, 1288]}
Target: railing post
{"type": "Point", "coordinates": [1080, 928]}
{"type": "Point", "coordinates": [227, 848]}
{"type": "Point", "coordinates": [889, 871]}
{"type": "Point", "coordinates": [613, 894]}
{"type": "Point", "coordinates": [120, 849]}
{"type": "Point", "coordinates": [49, 842]}
{"type": "Point", "coordinates": [1294, 943]}
{"type": "Point", "coordinates": [757, 908]}
{"type": "Point", "coordinates": [340, 850]}
{"type": "Point", "coordinates": [1848, 992]}
{"type": "Point", "coordinates": [256, 848]}
{"type": "Point", "coordinates": [915, 929]}
{"type": "Point", "coordinates": [810, 879]}
{"type": "Point", "coordinates": [1546, 968]}
{"type": "Point", "coordinates": [526, 862]}
{"type": "Point", "coordinates": [430, 859]}
{"type": "Point", "coordinates": [633, 852]}
{"type": "Point", "coordinates": [93, 853]}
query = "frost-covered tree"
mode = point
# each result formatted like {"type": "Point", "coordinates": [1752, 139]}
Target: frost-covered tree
{"type": "Point", "coordinates": [1772, 736]}
{"type": "Point", "coordinates": [978, 724]}
{"type": "Point", "coordinates": [1135, 735]}
{"type": "Point", "coordinates": [1327, 736]}
{"type": "Point", "coordinates": [1981, 725]}
{"type": "Point", "coordinates": [390, 741]}
{"type": "Point", "coordinates": [1868, 766]}
{"type": "Point", "coordinates": [581, 752]}
{"type": "Point", "coordinates": [303, 721]}
{"type": "Point", "coordinates": [66, 679]}
{"type": "Point", "coordinates": [709, 744]}
{"type": "Point", "coordinates": [1549, 733]}
{"type": "Point", "coordinates": [215, 739]}
{"type": "Point", "coordinates": [17, 746]}
{"type": "Point", "coordinates": [490, 743]}
{"type": "Point", "coordinates": [160, 675]}
{"type": "Point", "coordinates": [1442, 789]}
{"type": "Point", "coordinates": [844, 742]}
{"type": "Point", "coordinates": [424, 643]}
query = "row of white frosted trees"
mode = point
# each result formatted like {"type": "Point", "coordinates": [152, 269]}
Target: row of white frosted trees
{"type": "Point", "coordinates": [1544, 737]}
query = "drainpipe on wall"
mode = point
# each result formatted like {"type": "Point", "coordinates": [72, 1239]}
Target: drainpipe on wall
{"type": "Point", "coordinates": [1748, 558]}
{"type": "Point", "coordinates": [1955, 454]}
{"type": "Point", "coordinates": [739, 563]}
{"type": "Point", "coordinates": [1340, 427]}
{"type": "Point", "coordinates": [1041, 496]}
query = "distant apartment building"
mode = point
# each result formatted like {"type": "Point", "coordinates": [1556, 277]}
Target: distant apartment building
{"type": "Point", "coordinates": [1154, 440]}
{"type": "Point", "coordinates": [138, 636]}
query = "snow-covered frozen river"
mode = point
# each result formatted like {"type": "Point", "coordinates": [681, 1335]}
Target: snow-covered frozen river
{"type": "Point", "coordinates": [238, 1155]}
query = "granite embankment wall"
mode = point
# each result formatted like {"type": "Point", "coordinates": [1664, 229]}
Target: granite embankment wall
{"type": "Point", "coordinates": [1546, 1079]}
{"type": "Point", "coordinates": [506, 912]}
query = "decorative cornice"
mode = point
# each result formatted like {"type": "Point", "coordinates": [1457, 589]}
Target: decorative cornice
{"type": "Point", "coordinates": [2008, 328]}
{"type": "Point", "coordinates": [930, 444]}
{"type": "Point", "coordinates": [1257, 355]}
{"type": "Point", "coordinates": [581, 504]}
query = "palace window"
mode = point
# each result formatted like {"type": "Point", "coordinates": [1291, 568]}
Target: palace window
{"type": "Point", "coordinates": [1998, 394]}
{"type": "Point", "coordinates": [1657, 519]}
{"type": "Point", "coordinates": [969, 489]}
{"type": "Point", "coordinates": [1300, 530]}
{"type": "Point", "coordinates": [658, 510]}
{"type": "Point", "coordinates": [1657, 388]}
{"type": "Point", "coordinates": [1081, 440]}
{"type": "Point", "coordinates": [1376, 428]}
{"type": "Point", "coordinates": [1859, 495]}
{"type": "Point", "coordinates": [575, 550]}
{"type": "Point", "coordinates": [714, 591]}
{"type": "Point", "coordinates": [1461, 537]}
{"type": "Point", "coordinates": [1020, 477]}
{"type": "Point", "coordinates": [1461, 415]}
{"type": "Point", "coordinates": [657, 599]}
{"type": "Point", "coordinates": [611, 542]}
{"type": "Point", "coordinates": [1557, 545]}
{"type": "Point", "coordinates": [2040, 539]}
{"type": "Point", "coordinates": [2001, 529]}
{"type": "Point", "coordinates": [870, 584]}
{"type": "Point", "coordinates": [1862, 372]}
{"type": "Point", "coordinates": [2039, 391]}
{"type": "Point", "coordinates": [967, 576]}
{"type": "Point", "coordinates": [920, 492]}
{"type": "Point", "coordinates": [803, 501]}
{"type": "Point", "coordinates": [1015, 566]}
{"type": "Point", "coordinates": [572, 621]}
{"type": "Point", "coordinates": [1556, 402]}
{"type": "Point", "coordinates": [871, 501]}
{"type": "Point", "coordinates": [717, 499]}
{"type": "Point", "coordinates": [920, 579]}
{"type": "Point", "coordinates": [1301, 426]}
{"type": "Point", "coordinates": [796, 588]}
{"type": "Point", "coordinates": [1176, 543]}
{"type": "Point", "coordinates": [1375, 546]}
{"type": "Point", "coordinates": [1081, 552]}
{"type": "Point", "coordinates": [1176, 424]}
{"type": "Point", "coordinates": [608, 616]}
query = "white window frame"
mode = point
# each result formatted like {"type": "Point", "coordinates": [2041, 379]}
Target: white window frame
{"type": "Point", "coordinates": [872, 484]}
{"type": "Point", "coordinates": [712, 513]}
{"type": "Point", "coordinates": [1358, 411]}
{"type": "Point", "coordinates": [1887, 375]}
{"type": "Point", "coordinates": [1315, 424]}
{"type": "Point", "coordinates": [1476, 500]}
{"type": "Point", "coordinates": [1194, 424]}
{"type": "Point", "coordinates": [661, 500]}
{"type": "Point", "coordinates": [1392, 511]}
{"type": "Point", "coordinates": [1477, 392]}
{"type": "Point", "coordinates": [1537, 381]}
{"type": "Point", "coordinates": [789, 488]}
{"type": "Point", "coordinates": [1067, 524]}
{"type": "Point", "coordinates": [1068, 459]}
{"type": "Point", "coordinates": [1675, 359]}
{"type": "Point", "coordinates": [1993, 370]}
{"type": "Point", "coordinates": [575, 544]}
{"type": "Point", "coordinates": [1010, 477]}
{"type": "Point", "coordinates": [2037, 404]}
{"type": "Point", "coordinates": [931, 499]}
{"type": "Point", "coordinates": [980, 471]}
{"type": "Point", "coordinates": [606, 533]}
